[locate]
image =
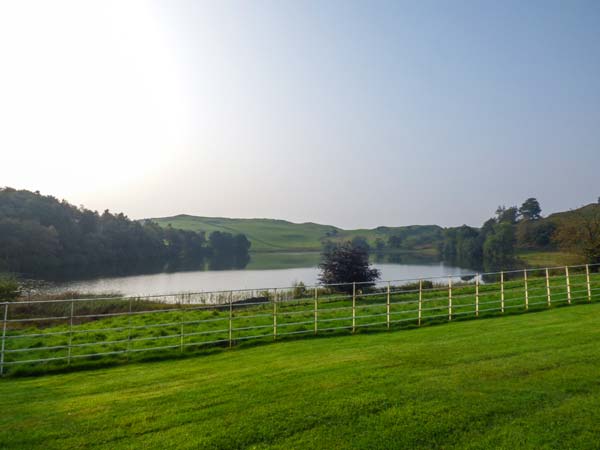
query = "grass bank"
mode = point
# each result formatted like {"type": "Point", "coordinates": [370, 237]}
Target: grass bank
{"type": "Point", "coordinates": [42, 337]}
{"type": "Point", "coordinates": [554, 258]}
{"type": "Point", "coordinates": [528, 381]}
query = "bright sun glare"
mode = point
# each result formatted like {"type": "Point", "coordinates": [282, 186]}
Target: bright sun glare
{"type": "Point", "coordinates": [94, 90]}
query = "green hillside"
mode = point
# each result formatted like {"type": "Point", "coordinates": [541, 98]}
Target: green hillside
{"type": "Point", "coordinates": [536, 245]}
{"type": "Point", "coordinates": [526, 381]}
{"type": "Point", "coordinates": [568, 215]}
{"type": "Point", "coordinates": [280, 235]}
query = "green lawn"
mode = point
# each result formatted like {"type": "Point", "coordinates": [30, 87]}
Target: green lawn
{"type": "Point", "coordinates": [527, 381]}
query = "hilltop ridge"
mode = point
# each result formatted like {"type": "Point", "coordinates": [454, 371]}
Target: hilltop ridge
{"type": "Point", "coordinates": [272, 235]}
{"type": "Point", "coordinates": [278, 235]}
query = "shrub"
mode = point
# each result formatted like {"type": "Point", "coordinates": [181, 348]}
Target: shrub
{"type": "Point", "coordinates": [346, 262]}
{"type": "Point", "coordinates": [9, 288]}
{"type": "Point", "coordinates": [299, 290]}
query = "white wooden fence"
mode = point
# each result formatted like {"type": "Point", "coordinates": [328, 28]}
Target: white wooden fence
{"type": "Point", "coordinates": [50, 334]}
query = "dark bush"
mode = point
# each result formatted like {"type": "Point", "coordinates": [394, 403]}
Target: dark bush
{"type": "Point", "coordinates": [9, 288]}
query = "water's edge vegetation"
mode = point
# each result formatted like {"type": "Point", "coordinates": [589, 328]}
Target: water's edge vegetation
{"type": "Point", "coordinates": [115, 330]}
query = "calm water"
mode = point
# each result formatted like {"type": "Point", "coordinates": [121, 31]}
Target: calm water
{"type": "Point", "coordinates": [256, 275]}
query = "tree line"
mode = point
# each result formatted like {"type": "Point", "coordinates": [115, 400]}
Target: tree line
{"type": "Point", "coordinates": [40, 233]}
{"type": "Point", "coordinates": [491, 247]}
{"type": "Point", "coordinates": [495, 244]}
{"type": "Point", "coordinates": [391, 241]}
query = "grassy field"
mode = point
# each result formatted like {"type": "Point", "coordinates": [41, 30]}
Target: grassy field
{"type": "Point", "coordinates": [528, 381]}
{"type": "Point", "coordinates": [548, 258]}
{"type": "Point", "coordinates": [264, 234]}
{"type": "Point", "coordinates": [279, 235]}
{"type": "Point", "coordinates": [105, 332]}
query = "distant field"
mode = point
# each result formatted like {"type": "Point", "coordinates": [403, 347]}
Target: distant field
{"type": "Point", "coordinates": [528, 381]}
{"type": "Point", "coordinates": [280, 235]}
{"type": "Point", "coordinates": [265, 234]}
{"type": "Point", "coordinates": [549, 258]}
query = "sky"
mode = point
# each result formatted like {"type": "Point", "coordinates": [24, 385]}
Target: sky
{"type": "Point", "coordinates": [350, 113]}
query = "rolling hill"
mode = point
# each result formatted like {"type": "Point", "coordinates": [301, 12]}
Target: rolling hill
{"type": "Point", "coordinates": [536, 244]}
{"type": "Point", "coordinates": [271, 235]}
{"type": "Point", "coordinates": [592, 208]}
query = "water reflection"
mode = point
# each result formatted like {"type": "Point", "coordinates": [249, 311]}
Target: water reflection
{"type": "Point", "coordinates": [287, 269]}
{"type": "Point", "coordinates": [256, 261]}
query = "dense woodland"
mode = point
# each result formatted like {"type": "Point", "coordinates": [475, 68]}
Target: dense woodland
{"type": "Point", "coordinates": [495, 245]}
{"type": "Point", "coordinates": [39, 233]}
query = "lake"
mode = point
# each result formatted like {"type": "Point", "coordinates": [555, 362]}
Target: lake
{"type": "Point", "coordinates": [263, 270]}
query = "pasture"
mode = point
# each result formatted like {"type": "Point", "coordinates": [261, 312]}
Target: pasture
{"type": "Point", "coordinates": [526, 381]}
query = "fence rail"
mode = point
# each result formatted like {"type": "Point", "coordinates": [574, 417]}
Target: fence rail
{"type": "Point", "coordinates": [52, 334]}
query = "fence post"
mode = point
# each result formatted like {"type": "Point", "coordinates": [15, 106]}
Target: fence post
{"type": "Point", "coordinates": [548, 287]}
{"type": "Point", "coordinates": [526, 290]}
{"type": "Point", "coordinates": [3, 338]}
{"type": "Point", "coordinates": [128, 330]}
{"type": "Point", "coordinates": [589, 286]}
{"type": "Point", "coordinates": [181, 320]}
{"type": "Point", "coordinates": [275, 314]}
{"type": "Point", "coordinates": [420, 300]}
{"type": "Point", "coordinates": [70, 333]}
{"type": "Point", "coordinates": [477, 295]}
{"type": "Point", "coordinates": [353, 307]}
{"type": "Point", "coordinates": [316, 309]}
{"type": "Point", "coordinates": [230, 318]}
{"type": "Point", "coordinates": [388, 306]}
{"type": "Point", "coordinates": [568, 285]}
{"type": "Point", "coordinates": [449, 298]}
{"type": "Point", "coordinates": [502, 292]}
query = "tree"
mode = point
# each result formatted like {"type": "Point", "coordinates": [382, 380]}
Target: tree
{"type": "Point", "coordinates": [327, 245]}
{"type": "Point", "coordinates": [346, 263]}
{"type": "Point", "coordinates": [395, 241]}
{"type": "Point", "coordinates": [488, 227]}
{"type": "Point", "coordinates": [379, 245]}
{"type": "Point", "coordinates": [581, 235]}
{"type": "Point", "coordinates": [9, 288]}
{"type": "Point", "coordinates": [507, 215]}
{"type": "Point", "coordinates": [362, 243]}
{"type": "Point", "coordinates": [530, 209]}
{"type": "Point", "coordinates": [498, 248]}
{"type": "Point", "coordinates": [463, 245]}
{"type": "Point", "coordinates": [535, 233]}
{"type": "Point", "coordinates": [40, 233]}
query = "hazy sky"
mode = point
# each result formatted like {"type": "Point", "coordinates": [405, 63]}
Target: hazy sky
{"type": "Point", "coordinates": [348, 113]}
